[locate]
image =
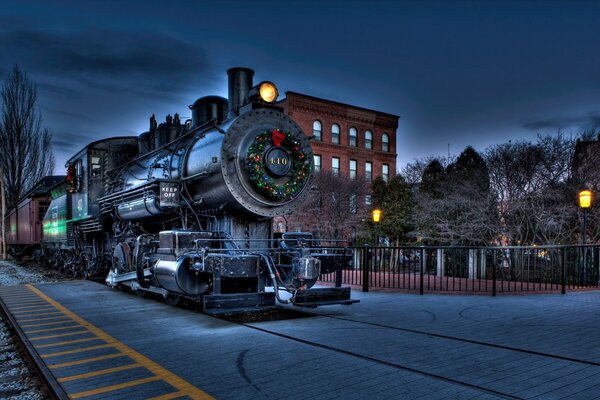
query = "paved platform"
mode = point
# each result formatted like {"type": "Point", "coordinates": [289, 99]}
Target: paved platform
{"type": "Point", "coordinates": [105, 343]}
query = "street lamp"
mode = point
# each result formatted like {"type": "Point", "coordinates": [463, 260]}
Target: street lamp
{"type": "Point", "coordinates": [376, 219]}
{"type": "Point", "coordinates": [376, 214]}
{"type": "Point", "coordinates": [585, 202]}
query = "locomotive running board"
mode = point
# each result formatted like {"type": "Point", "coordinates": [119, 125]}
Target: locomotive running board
{"type": "Point", "coordinates": [237, 302]}
{"type": "Point", "coordinates": [323, 297]}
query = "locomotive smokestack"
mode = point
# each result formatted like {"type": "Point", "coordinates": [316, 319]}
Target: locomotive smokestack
{"type": "Point", "coordinates": [240, 83]}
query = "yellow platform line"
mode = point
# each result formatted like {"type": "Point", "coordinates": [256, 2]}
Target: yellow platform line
{"type": "Point", "coordinates": [44, 346]}
{"type": "Point", "coordinates": [85, 360]}
{"type": "Point", "coordinates": [153, 367]}
{"type": "Point", "coordinates": [42, 319]}
{"type": "Point", "coordinates": [32, 310]}
{"type": "Point", "coordinates": [46, 305]}
{"type": "Point", "coordinates": [59, 335]}
{"type": "Point", "coordinates": [60, 328]}
{"type": "Point", "coordinates": [111, 388]}
{"type": "Point", "coordinates": [46, 324]}
{"type": "Point", "coordinates": [80, 350]}
{"type": "Point", "coordinates": [16, 295]}
{"type": "Point", "coordinates": [98, 372]}
{"type": "Point", "coordinates": [28, 304]}
{"type": "Point", "coordinates": [12, 299]}
{"type": "Point", "coordinates": [169, 396]}
{"type": "Point", "coordinates": [21, 315]}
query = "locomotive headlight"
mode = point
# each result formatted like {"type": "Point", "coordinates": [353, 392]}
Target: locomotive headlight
{"type": "Point", "coordinates": [268, 91]}
{"type": "Point", "coordinates": [265, 92]}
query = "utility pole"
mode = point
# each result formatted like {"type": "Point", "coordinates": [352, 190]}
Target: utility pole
{"type": "Point", "coordinates": [3, 211]}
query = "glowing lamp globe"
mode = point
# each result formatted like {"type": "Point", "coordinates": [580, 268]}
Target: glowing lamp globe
{"type": "Point", "coordinates": [585, 199]}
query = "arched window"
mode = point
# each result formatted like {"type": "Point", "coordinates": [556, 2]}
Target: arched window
{"type": "Point", "coordinates": [353, 135]}
{"type": "Point", "coordinates": [385, 142]}
{"type": "Point", "coordinates": [368, 140]}
{"type": "Point", "coordinates": [317, 127]}
{"type": "Point", "coordinates": [335, 134]}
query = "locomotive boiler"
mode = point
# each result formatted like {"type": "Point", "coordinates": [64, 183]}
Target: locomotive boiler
{"type": "Point", "coordinates": [184, 210]}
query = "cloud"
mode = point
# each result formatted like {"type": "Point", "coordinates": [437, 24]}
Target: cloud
{"type": "Point", "coordinates": [111, 59]}
{"type": "Point", "coordinates": [590, 120]}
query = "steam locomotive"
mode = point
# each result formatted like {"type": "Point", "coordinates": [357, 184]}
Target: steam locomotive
{"type": "Point", "coordinates": [184, 210]}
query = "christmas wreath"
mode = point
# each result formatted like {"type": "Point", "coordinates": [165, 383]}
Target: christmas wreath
{"type": "Point", "coordinates": [267, 185]}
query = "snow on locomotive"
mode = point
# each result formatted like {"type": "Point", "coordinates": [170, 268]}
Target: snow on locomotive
{"type": "Point", "coordinates": [184, 210]}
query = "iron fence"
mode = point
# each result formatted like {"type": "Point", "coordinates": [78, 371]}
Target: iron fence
{"type": "Point", "coordinates": [472, 269]}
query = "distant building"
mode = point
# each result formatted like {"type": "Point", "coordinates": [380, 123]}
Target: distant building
{"type": "Point", "coordinates": [349, 141]}
{"type": "Point", "coordinates": [584, 167]}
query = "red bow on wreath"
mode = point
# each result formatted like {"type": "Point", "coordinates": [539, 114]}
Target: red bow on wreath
{"type": "Point", "coordinates": [277, 137]}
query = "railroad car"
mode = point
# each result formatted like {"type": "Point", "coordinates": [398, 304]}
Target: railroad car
{"type": "Point", "coordinates": [184, 210]}
{"type": "Point", "coordinates": [24, 220]}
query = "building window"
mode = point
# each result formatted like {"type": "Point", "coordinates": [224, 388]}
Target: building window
{"type": "Point", "coordinates": [368, 200]}
{"type": "Point", "coordinates": [317, 163]}
{"type": "Point", "coordinates": [353, 204]}
{"type": "Point", "coordinates": [368, 171]}
{"type": "Point", "coordinates": [385, 172]}
{"type": "Point", "coordinates": [317, 127]}
{"type": "Point", "coordinates": [368, 140]}
{"type": "Point", "coordinates": [335, 166]}
{"type": "Point", "coordinates": [335, 134]}
{"type": "Point", "coordinates": [353, 135]}
{"type": "Point", "coordinates": [385, 142]}
{"type": "Point", "coordinates": [352, 169]}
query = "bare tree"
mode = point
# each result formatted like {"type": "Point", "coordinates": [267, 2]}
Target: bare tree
{"type": "Point", "coordinates": [532, 186]}
{"type": "Point", "coordinates": [25, 149]}
{"type": "Point", "coordinates": [453, 205]}
{"type": "Point", "coordinates": [335, 208]}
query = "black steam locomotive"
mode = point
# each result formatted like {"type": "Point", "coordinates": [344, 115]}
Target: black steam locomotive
{"type": "Point", "coordinates": [184, 210]}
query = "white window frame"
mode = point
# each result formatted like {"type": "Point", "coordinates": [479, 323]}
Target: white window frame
{"type": "Point", "coordinates": [335, 134]}
{"type": "Point", "coordinates": [317, 130]}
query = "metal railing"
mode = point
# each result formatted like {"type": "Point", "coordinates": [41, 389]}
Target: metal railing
{"type": "Point", "coordinates": [473, 269]}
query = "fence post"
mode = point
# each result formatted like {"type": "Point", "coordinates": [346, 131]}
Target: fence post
{"type": "Point", "coordinates": [564, 271]}
{"type": "Point", "coordinates": [494, 268]}
{"type": "Point", "coordinates": [422, 271]}
{"type": "Point", "coordinates": [595, 255]}
{"type": "Point", "coordinates": [365, 268]}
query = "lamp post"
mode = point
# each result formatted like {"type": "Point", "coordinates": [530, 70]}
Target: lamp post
{"type": "Point", "coordinates": [376, 214]}
{"type": "Point", "coordinates": [585, 202]}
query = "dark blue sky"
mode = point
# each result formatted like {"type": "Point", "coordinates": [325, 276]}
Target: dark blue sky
{"type": "Point", "coordinates": [458, 73]}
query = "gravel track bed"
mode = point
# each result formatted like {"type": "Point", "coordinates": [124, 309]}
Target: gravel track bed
{"type": "Point", "coordinates": [16, 380]}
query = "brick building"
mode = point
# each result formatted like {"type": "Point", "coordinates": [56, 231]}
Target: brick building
{"type": "Point", "coordinates": [353, 142]}
{"type": "Point", "coordinates": [347, 139]}
{"type": "Point", "coordinates": [584, 167]}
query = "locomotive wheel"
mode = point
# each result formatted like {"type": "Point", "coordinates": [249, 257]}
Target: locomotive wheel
{"type": "Point", "coordinates": [173, 300]}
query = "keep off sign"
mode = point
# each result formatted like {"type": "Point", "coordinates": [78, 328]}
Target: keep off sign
{"type": "Point", "coordinates": [169, 194]}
